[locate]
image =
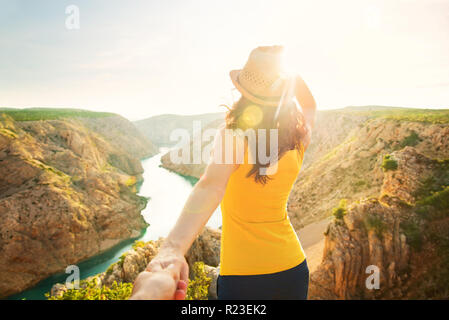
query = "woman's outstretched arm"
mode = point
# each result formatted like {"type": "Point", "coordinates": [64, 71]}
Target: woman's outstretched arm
{"type": "Point", "coordinates": [308, 106]}
{"type": "Point", "coordinates": [202, 202]}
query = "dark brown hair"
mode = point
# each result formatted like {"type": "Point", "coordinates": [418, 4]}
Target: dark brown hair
{"type": "Point", "coordinates": [289, 122]}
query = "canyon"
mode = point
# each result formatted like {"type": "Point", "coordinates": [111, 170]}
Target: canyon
{"type": "Point", "coordinates": [67, 190]}
{"type": "Point", "coordinates": [372, 191]}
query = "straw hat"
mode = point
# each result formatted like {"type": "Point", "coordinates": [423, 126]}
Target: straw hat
{"type": "Point", "coordinates": [262, 79]}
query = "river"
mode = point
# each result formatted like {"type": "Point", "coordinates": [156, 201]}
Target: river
{"type": "Point", "coordinates": [167, 191]}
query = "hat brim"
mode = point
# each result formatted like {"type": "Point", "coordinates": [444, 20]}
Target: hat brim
{"type": "Point", "coordinates": [264, 101]}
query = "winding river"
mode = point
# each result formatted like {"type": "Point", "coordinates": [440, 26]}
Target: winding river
{"type": "Point", "coordinates": [167, 191]}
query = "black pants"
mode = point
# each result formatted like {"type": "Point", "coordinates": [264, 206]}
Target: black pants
{"type": "Point", "coordinates": [291, 284]}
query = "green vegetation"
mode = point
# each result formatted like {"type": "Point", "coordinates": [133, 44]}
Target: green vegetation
{"type": "Point", "coordinates": [8, 133]}
{"type": "Point", "coordinates": [121, 260]}
{"type": "Point", "coordinates": [360, 185]}
{"type": "Point", "coordinates": [340, 211]}
{"type": "Point", "coordinates": [435, 116]}
{"type": "Point", "coordinates": [433, 194]}
{"type": "Point", "coordinates": [110, 269]}
{"type": "Point", "coordinates": [199, 286]}
{"type": "Point", "coordinates": [389, 163]}
{"type": "Point", "coordinates": [35, 114]}
{"type": "Point", "coordinates": [412, 140]}
{"type": "Point", "coordinates": [435, 206]}
{"type": "Point", "coordinates": [138, 244]}
{"type": "Point", "coordinates": [413, 233]}
{"type": "Point", "coordinates": [89, 290]}
{"type": "Point", "coordinates": [373, 222]}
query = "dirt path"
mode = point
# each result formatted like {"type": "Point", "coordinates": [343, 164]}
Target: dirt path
{"type": "Point", "coordinates": [312, 241]}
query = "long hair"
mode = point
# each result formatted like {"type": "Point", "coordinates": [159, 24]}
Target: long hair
{"type": "Point", "coordinates": [245, 114]}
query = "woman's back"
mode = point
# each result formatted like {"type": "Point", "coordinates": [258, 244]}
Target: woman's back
{"type": "Point", "coordinates": [257, 236]}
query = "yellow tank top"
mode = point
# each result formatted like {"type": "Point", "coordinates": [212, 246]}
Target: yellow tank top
{"type": "Point", "coordinates": [257, 236]}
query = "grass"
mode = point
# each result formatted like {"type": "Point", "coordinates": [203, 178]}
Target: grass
{"type": "Point", "coordinates": [434, 116]}
{"type": "Point", "coordinates": [36, 114]}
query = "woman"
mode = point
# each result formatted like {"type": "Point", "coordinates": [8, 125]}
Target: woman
{"type": "Point", "coordinates": [261, 257]}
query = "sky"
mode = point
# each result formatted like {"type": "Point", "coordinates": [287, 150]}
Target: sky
{"type": "Point", "coordinates": [143, 58]}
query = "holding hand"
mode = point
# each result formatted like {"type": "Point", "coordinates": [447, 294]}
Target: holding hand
{"type": "Point", "coordinates": [165, 278]}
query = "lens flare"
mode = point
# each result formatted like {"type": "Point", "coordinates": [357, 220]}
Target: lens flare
{"type": "Point", "coordinates": [252, 116]}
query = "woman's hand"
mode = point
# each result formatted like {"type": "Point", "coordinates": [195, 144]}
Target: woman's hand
{"type": "Point", "coordinates": [158, 286]}
{"type": "Point", "coordinates": [168, 256]}
{"type": "Point", "coordinates": [165, 278]}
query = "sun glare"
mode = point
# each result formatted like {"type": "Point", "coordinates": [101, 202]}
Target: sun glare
{"type": "Point", "coordinates": [252, 116]}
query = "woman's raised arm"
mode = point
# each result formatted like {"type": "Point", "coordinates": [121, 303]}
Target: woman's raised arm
{"type": "Point", "coordinates": [308, 106]}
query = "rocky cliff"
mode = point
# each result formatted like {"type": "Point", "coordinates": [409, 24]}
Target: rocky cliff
{"type": "Point", "coordinates": [67, 192]}
{"type": "Point", "coordinates": [403, 233]}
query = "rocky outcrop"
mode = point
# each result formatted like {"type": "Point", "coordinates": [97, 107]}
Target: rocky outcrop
{"type": "Point", "coordinates": [395, 234]}
{"type": "Point", "coordinates": [205, 248]}
{"type": "Point", "coordinates": [67, 193]}
{"type": "Point", "coordinates": [352, 169]}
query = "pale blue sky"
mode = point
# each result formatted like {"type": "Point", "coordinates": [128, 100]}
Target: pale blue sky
{"type": "Point", "coordinates": [141, 58]}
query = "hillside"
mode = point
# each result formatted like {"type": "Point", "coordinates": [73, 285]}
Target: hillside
{"type": "Point", "coordinates": [381, 226]}
{"type": "Point", "coordinates": [68, 186]}
{"type": "Point", "coordinates": [403, 232]}
{"type": "Point", "coordinates": [158, 128]}
{"type": "Point", "coordinates": [347, 148]}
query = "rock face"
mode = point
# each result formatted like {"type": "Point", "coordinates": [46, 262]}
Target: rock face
{"type": "Point", "coordinates": [394, 233]}
{"type": "Point", "coordinates": [67, 192]}
{"type": "Point", "coordinates": [352, 168]}
{"type": "Point", "coordinates": [206, 248]}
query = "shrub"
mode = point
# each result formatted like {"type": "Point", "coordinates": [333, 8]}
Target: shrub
{"type": "Point", "coordinates": [413, 234]}
{"type": "Point", "coordinates": [198, 287]}
{"type": "Point", "coordinates": [389, 163]}
{"type": "Point", "coordinates": [341, 210]}
{"type": "Point", "coordinates": [412, 140]}
{"type": "Point", "coordinates": [89, 290]}
{"type": "Point", "coordinates": [138, 244]}
{"type": "Point", "coordinates": [434, 206]}
{"type": "Point", "coordinates": [373, 222]}
{"type": "Point", "coordinates": [110, 269]}
{"type": "Point", "coordinates": [121, 260]}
